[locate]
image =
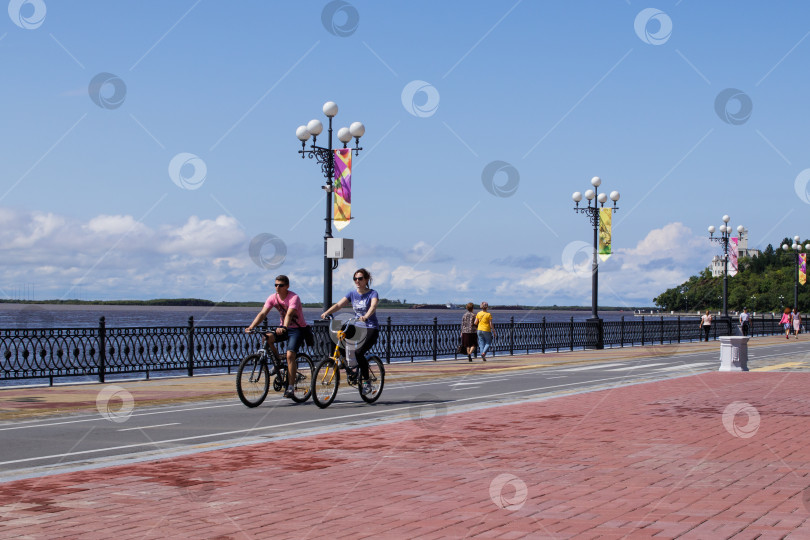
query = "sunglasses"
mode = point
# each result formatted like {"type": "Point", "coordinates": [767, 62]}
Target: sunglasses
{"type": "Point", "coordinates": [359, 278]}
{"type": "Point", "coordinates": [280, 285]}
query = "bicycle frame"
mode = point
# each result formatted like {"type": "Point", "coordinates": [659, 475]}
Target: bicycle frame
{"type": "Point", "coordinates": [340, 360]}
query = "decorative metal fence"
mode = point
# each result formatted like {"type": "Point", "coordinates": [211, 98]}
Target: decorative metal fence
{"type": "Point", "coordinates": [99, 352]}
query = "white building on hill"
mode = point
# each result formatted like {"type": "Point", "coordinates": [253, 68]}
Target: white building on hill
{"type": "Point", "coordinates": [742, 251]}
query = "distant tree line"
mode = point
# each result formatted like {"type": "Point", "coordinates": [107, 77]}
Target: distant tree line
{"type": "Point", "coordinates": [763, 283]}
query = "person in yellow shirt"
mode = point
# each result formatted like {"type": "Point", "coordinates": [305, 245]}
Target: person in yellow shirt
{"type": "Point", "coordinates": [486, 330]}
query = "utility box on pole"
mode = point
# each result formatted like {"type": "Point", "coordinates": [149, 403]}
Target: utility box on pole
{"type": "Point", "coordinates": [340, 248]}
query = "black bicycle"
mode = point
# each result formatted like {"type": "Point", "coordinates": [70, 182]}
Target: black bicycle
{"type": "Point", "coordinates": [255, 371]}
{"type": "Point", "coordinates": [326, 380]}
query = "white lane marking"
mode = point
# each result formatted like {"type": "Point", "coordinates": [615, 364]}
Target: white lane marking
{"type": "Point", "coordinates": [689, 367]}
{"type": "Point", "coordinates": [479, 382]}
{"type": "Point", "coordinates": [99, 417]}
{"type": "Point", "coordinates": [277, 426]}
{"type": "Point", "coordinates": [599, 366]}
{"type": "Point", "coordinates": [639, 366]}
{"type": "Point", "coordinates": [150, 427]}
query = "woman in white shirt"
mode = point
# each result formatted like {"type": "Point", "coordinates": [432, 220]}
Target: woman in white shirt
{"type": "Point", "coordinates": [706, 324]}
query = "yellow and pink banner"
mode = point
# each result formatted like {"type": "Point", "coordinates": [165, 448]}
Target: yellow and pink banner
{"type": "Point", "coordinates": [343, 187]}
{"type": "Point", "coordinates": [605, 232]}
{"type": "Point", "coordinates": [802, 268]}
{"type": "Point", "coordinates": [732, 257]}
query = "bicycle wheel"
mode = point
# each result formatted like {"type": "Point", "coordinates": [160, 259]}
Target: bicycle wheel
{"type": "Point", "coordinates": [325, 383]}
{"type": "Point", "coordinates": [303, 378]}
{"type": "Point", "coordinates": [376, 376]}
{"type": "Point", "coordinates": [252, 380]}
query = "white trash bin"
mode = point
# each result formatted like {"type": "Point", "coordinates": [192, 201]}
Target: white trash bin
{"type": "Point", "coordinates": [734, 353]}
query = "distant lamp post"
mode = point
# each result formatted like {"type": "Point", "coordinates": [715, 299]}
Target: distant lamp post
{"type": "Point", "coordinates": [325, 156]}
{"type": "Point", "coordinates": [592, 211]}
{"type": "Point", "coordinates": [753, 303]}
{"type": "Point", "coordinates": [723, 239]}
{"type": "Point", "coordinates": [796, 247]}
{"type": "Point", "coordinates": [781, 302]}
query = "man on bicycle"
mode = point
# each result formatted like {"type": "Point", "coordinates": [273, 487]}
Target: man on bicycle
{"type": "Point", "coordinates": [291, 329]}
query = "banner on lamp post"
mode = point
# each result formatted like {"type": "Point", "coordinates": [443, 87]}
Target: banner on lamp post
{"type": "Point", "coordinates": [343, 187]}
{"type": "Point", "coordinates": [605, 233]}
{"type": "Point", "coordinates": [802, 268]}
{"type": "Point", "coordinates": [732, 257]}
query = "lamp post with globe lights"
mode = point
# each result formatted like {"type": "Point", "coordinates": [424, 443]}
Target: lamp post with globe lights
{"type": "Point", "coordinates": [592, 211]}
{"type": "Point", "coordinates": [796, 247]}
{"type": "Point", "coordinates": [723, 240]}
{"type": "Point", "coordinates": [325, 156]}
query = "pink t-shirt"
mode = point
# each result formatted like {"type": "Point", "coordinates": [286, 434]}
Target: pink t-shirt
{"type": "Point", "coordinates": [291, 302]}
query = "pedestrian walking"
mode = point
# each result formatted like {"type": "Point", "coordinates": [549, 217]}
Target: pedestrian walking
{"type": "Point", "coordinates": [486, 330]}
{"type": "Point", "coordinates": [787, 322]}
{"type": "Point", "coordinates": [797, 323]}
{"type": "Point", "coordinates": [706, 324]}
{"type": "Point", "coordinates": [745, 317]}
{"type": "Point", "coordinates": [469, 338]}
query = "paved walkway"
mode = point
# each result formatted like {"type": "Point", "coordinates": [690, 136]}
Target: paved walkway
{"type": "Point", "coordinates": [717, 455]}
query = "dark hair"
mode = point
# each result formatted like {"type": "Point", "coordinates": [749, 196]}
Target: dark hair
{"type": "Point", "coordinates": [469, 306]}
{"type": "Point", "coordinates": [366, 274]}
{"type": "Point", "coordinates": [284, 279]}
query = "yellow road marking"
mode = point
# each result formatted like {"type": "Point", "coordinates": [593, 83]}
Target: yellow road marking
{"type": "Point", "coordinates": [779, 366]}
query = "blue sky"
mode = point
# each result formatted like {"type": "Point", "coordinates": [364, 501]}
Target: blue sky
{"type": "Point", "coordinates": [557, 91]}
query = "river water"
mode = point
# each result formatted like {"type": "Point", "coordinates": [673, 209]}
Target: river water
{"type": "Point", "coordinates": [87, 316]}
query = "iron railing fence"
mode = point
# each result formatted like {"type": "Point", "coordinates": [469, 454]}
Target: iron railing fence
{"type": "Point", "coordinates": [98, 352]}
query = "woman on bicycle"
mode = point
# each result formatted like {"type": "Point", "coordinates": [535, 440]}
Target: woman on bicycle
{"type": "Point", "coordinates": [292, 326]}
{"type": "Point", "coordinates": [364, 301]}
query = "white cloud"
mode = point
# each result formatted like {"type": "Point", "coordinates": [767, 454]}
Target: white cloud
{"type": "Point", "coordinates": [203, 237]}
{"type": "Point", "coordinates": [423, 281]}
{"type": "Point", "coordinates": [115, 225]}
{"type": "Point", "coordinates": [632, 276]}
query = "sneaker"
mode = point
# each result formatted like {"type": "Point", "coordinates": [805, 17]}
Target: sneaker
{"type": "Point", "coordinates": [366, 389]}
{"type": "Point", "coordinates": [289, 392]}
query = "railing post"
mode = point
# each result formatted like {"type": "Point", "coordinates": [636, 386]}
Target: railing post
{"type": "Point", "coordinates": [435, 336]}
{"type": "Point", "coordinates": [714, 331]}
{"type": "Point", "coordinates": [572, 333]}
{"type": "Point", "coordinates": [512, 336]}
{"type": "Point", "coordinates": [190, 345]}
{"type": "Point", "coordinates": [642, 330]}
{"type": "Point", "coordinates": [662, 329]}
{"type": "Point", "coordinates": [679, 328]}
{"type": "Point", "coordinates": [621, 339]}
{"type": "Point", "coordinates": [388, 342]}
{"type": "Point", "coordinates": [543, 337]}
{"type": "Point", "coordinates": [102, 346]}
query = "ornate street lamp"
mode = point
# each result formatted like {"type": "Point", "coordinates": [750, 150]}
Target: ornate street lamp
{"type": "Point", "coordinates": [797, 247]}
{"type": "Point", "coordinates": [592, 211]}
{"type": "Point", "coordinates": [325, 156]}
{"type": "Point", "coordinates": [723, 239]}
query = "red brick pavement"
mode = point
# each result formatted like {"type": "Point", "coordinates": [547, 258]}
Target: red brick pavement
{"type": "Point", "coordinates": [651, 460]}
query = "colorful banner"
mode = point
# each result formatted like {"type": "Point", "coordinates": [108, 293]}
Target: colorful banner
{"type": "Point", "coordinates": [732, 257]}
{"type": "Point", "coordinates": [605, 234]}
{"type": "Point", "coordinates": [343, 187]}
{"type": "Point", "coordinates": [802, 268]}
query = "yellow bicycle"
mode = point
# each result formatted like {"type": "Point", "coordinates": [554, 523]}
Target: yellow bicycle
{"type": "Point", "coordinates": [326, 379]}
